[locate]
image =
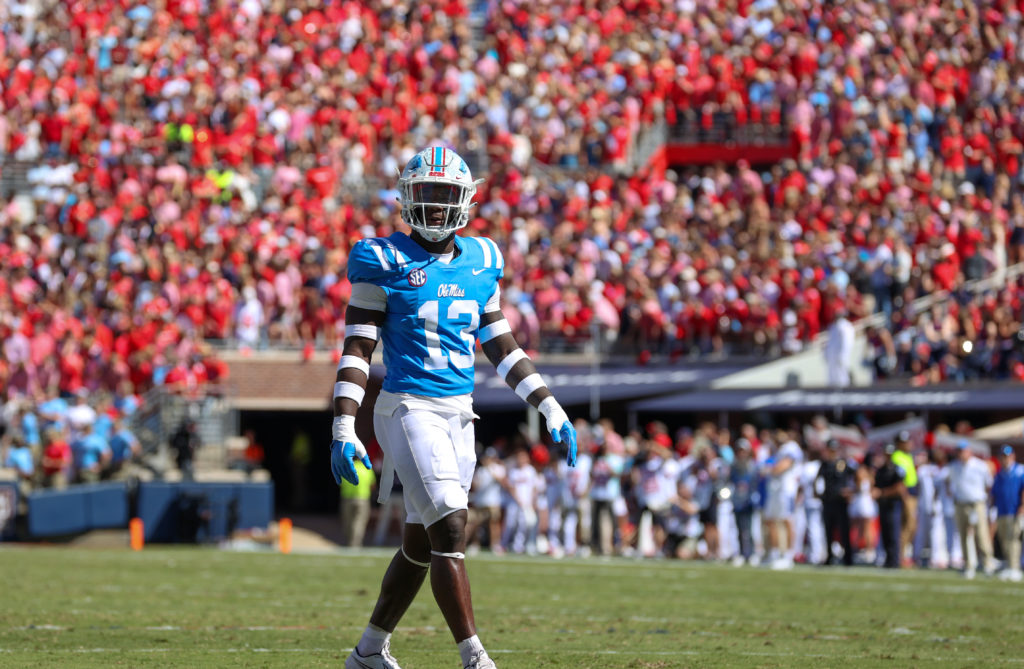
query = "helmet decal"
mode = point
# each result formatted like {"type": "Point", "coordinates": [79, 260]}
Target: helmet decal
{"type": "Point", "coordinates": [437, 162]}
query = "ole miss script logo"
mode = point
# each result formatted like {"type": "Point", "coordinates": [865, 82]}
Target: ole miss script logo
{"type": "Point", "coordinates": [417, 278]}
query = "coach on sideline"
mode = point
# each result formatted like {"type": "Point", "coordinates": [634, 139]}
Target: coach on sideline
{"type": "Point", "coordinates": [1008, 495]}
{"type": "Point", "coordinates": [969, 481]}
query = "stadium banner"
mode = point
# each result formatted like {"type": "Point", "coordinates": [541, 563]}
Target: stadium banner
{"type": "Point", "coordinates": [853, 442]}
{"type": "Point", "coordinates": [8, 509]}
{"type": "Point", "coordinates": [949, 441]}
{"type": "Point", "coordinates": [982, 398]}
{"type": "Point", "coordinates": [678, 153]}
{"type": "Point", "coordinates": [573, 384]}
{"type": "Point", "coordinates": [880, 436]}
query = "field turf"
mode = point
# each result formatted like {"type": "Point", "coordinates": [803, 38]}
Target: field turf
{"type": "Point", "coordinates": [193, 607]}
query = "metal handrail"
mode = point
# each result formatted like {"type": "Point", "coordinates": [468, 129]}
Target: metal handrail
{"type": "Point", "coordinates": [926, 302]}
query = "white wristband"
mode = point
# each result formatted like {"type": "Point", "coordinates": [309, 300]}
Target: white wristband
{"type": "Point", "coordinates": [554, 414]}
{"type": "Point", "coordinates": [352, 391]}
{"type": "Point", "coordinates": [343, 428]}
{"type": "Point", "coordinates": [529, 384]}
{"type": "Point", "coordinates": [354, 362]}
{"type": "Point", "coordinates": [547, 406]}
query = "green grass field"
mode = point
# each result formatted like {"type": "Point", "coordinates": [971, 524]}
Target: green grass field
{"type": "Point", "coordinates": [189, 607]}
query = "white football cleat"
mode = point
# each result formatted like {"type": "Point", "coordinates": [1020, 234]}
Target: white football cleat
{"type": "Point", "coordinates": [382, 660]}
{"type": "Point", "coordinates": [481, 661]}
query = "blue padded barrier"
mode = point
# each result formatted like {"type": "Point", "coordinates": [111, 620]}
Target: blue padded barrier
{"type": "Point", "coordinates": [255, 505]}
{"type": "Point", "coordinates": [57, 512]}
{"type": "Point", "coordinates": [202, 511]}
{"type": "Point", "coordinates": [106, 505]}
{"type": "Point", "coordinates": [158, 508]}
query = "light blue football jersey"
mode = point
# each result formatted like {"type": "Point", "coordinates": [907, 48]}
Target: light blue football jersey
{"type": "Point", "coordinates": [433, 309]}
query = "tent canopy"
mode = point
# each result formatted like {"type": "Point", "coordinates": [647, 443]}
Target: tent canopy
{"type": "Point", "coordinates": [573, 384]}
{"type": "Point", "coordinates": [895, 399]}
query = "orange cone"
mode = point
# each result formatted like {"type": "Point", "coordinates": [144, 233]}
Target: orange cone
{"type": "Point", "coordinates": [136, 534]}
{"type": "Point", "coordinates": [285, 528]}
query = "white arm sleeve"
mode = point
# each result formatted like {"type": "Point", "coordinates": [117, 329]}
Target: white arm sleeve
{"type": "Point", "coordinates": [368, 296]}
{"type": "Point", "coordinates": [494, 301]}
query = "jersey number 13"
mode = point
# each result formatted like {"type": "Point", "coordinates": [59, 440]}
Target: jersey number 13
{"type": "Point", "coordinates": [438, 357]}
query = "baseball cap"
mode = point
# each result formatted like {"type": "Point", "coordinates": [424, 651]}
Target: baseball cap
{"type": "Point", "coordinates": [1006, 449]}
{"type": "Point", "coordinates": [903, 436]}
{"type": "Point", "coordinates": [743, 444]}
{"type": "Point", "coordinates": [539, 455]}
{"type": "Point", "coordinates": [962, 444]}
{"type": "Point", "coordinates": [833, 443]}
{"type": "Point", "coordinates": [890, 449]}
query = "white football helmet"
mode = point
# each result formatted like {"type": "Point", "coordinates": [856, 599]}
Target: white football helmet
{"type": "Point", "coordinates": [435, 191]}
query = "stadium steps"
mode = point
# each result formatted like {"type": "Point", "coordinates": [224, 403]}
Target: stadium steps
{"type": "Point", "coordinates": [648, 141]}
{"type": "Point", "coordinates": [478, 12]}
{"type": "Point", "coordinates": [164, 412]}
{"type": "Point", "coordinates": [14, 178]}
{"type": "Point", "coordinates": [477, 160]}
{"type": "Point", "coordinates": [807, 368]}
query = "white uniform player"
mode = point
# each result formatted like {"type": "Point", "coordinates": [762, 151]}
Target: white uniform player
{"type": "Point", "coordinates": [783, 484]}
{"type": "Point", "coordinates": [487, 495]}
{"type": "Point", "coordinates": [929, 549]}
{"type": "Point", "coordinates": [555, 491]}
{"type": "Point", "coordinates": [521, 512]}
{"type": "Point", "coordinates": [576, 505]}
{"type": "Point", "coordinates": [952, 554]}
{"type": "Point", "coordinates": [810, 528]}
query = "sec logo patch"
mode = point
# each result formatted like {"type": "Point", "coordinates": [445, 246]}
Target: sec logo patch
{"type": "Point", "coordinates": [417, 278]}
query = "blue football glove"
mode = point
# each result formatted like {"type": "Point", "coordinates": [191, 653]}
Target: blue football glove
{"type": "Point", "coordinates": [560, 427]}
{"type": "Point", "coordinates": [346, 447]}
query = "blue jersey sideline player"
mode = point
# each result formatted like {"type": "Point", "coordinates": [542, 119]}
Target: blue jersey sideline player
{"type": "Point", "coordinates": [429, 296]}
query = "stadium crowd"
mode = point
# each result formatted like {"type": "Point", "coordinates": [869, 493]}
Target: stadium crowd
{"type": "Point", "coordinates": [199, 170]}
{"type": "Point", "coordinates": [209, 164]}
{"type": "Point", "coordinates": [61, 441]}
{"type": "Point", "coordinates": [752, 497]}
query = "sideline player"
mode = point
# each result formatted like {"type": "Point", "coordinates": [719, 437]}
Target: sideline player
{"type": "Point", "coordinates": [429, 296]}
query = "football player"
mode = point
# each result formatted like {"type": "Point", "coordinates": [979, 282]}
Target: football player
{"type": "Point", "coordinates": [429, 296]}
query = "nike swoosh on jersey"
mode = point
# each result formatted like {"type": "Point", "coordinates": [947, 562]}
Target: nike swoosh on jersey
{"type": "Point", "coordinates": [477, 271]}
